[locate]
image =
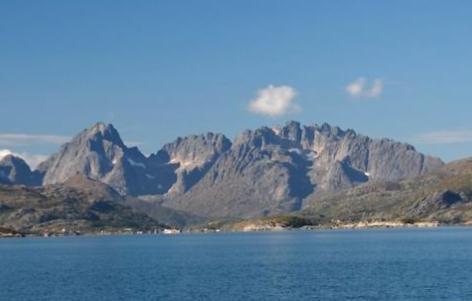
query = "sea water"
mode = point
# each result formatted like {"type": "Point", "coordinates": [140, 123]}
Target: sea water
{"type": "Point", "coordinates": [386, 264]}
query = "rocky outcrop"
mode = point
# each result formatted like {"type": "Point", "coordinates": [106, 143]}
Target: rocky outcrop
{"type": "Point", "coordinates": [439, 200]}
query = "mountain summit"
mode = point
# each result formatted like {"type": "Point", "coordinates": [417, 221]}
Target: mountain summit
{"type": "Point", "coordinates": [99, 153]}
{"type": "Point", "coordinates": [14, 170]}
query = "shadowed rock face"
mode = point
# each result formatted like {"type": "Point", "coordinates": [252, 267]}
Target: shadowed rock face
{"type": "Point", "coordinates": [14, 170]}
{"type": "Point", "coordinates": [272, 170]}
{"type": "Point", "coordinates": [439, 200]}
{"type": "Point", "coordinates": [186, 160]}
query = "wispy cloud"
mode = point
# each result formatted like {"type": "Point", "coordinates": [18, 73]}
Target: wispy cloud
{"type": "Point", "coordinates": [444, 137]}
{"type": "Point", "coordinates": [16, 139]}
{"type": "Point", "coordinates": [360, 88]}
{"type": "Point", "coordinates": [33, 160]}
{"type": "Point", "coordinates": [274, 101]}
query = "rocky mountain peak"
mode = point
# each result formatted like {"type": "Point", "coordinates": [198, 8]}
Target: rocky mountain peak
{"type": "Point", "coordinates": [14, 160]}
{"type": "Point", "coordinates": [101, 132]}
{"type": "Point", "coordinates": [291, 131]}
{"type": "Point", "coordinates": [100, 154]}
{"type": "Point", "coordinates": [260, 137]}
{"type": "Point", "coordinates": [195, 150]}
{"type": "Point", "coordinates": [14, 170]}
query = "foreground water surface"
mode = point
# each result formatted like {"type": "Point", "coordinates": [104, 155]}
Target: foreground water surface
{"type": "Point", "coordinates": [390, 264]}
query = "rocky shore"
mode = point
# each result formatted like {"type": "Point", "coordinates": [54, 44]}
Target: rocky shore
{"type": "Point", "coordinates": [247, 226]}
{"type": "Point", "coordinates": [7, 233]}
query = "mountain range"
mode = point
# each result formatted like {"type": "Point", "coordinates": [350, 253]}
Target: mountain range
{"type": "Point", "coordinates": [263, 172]}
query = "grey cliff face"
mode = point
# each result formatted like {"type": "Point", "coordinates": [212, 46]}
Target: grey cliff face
{"type": "Point", "coordinates": [272, 170]}
{"type": "Point", "coordinates": [255, 177]}
{"type": "Point", "coordinates": [186, 160]}
{"type": "Point", "coordinates": [15, 171]}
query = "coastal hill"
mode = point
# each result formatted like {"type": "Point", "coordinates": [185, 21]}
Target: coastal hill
{"type": "Point", "coordinates": [80, 205]}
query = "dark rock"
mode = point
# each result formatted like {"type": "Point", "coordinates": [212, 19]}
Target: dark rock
{"type": "Point", "coordinates": [437, 201]}
{"type": "Point", "coordinates": [15, 171]}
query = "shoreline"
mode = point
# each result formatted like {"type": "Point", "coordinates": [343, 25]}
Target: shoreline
{"type": "Point", "coordinates": [261, 225]}
{"type": "Point", "coordinates": [252, 229]}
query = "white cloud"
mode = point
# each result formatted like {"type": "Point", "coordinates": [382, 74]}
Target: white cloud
{"type": "Point", "coordinates": [10, 139]}
{"type": "Point", "coordinates": [360, 88]}
{"type": "Point", "coordinates": [274, 101]}
{"type": "Point", "coordinates": [33, 160]}
{"type": "Point", "coordinates": [376, 89]}
{"type": "Point", "coordinates": [356, 87]}
{"type": "Point", "coordinates": [445, 137]}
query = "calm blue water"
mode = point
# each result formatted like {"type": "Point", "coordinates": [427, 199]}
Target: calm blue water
{"type": "Point", "coordinates": [401, 264]}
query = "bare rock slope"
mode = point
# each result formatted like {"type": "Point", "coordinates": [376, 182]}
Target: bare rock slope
{"type": "Point", "coordinates": [274, 170]}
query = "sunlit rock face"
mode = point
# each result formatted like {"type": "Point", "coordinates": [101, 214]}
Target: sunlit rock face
{"type": "Point", "coordinates": [189, 158]}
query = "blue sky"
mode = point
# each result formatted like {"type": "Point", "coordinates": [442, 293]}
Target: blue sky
{"type": "Point", "coordinates": [162, 69]}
